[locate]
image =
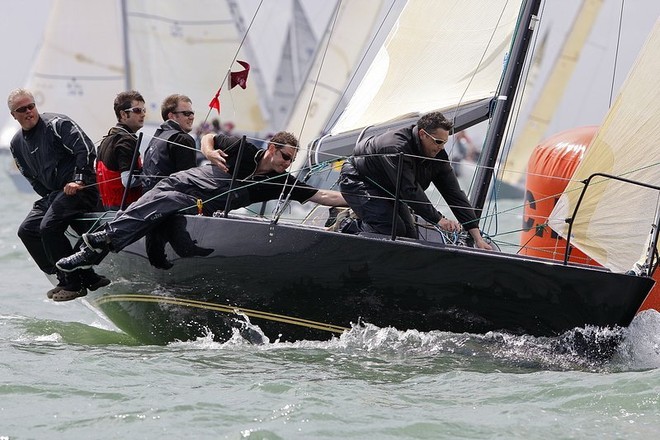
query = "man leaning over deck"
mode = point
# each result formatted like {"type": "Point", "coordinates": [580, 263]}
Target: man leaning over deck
{"type": "Point", "coordinates": [368, 180]}
{"type": "Point", "coordinates": [261, 176]}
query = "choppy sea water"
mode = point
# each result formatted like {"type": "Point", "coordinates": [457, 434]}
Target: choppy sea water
{"type": "Point", "coordinates": [66, 372]}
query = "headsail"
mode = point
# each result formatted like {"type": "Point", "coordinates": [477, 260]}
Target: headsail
{"type": "Point", "coordinates": [613, 222]}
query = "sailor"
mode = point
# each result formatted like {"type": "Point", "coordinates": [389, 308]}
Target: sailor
{"type": "Point", "coordinates": [172, 148]}
{"type": "Point", "coordinates": [261, 176]}
{"type": "Point", "coordinates": [369, 180]}
{"type": "Point", "coordinates": [118, 150]}
{"type": "Point", "coordinates": [57, 158]}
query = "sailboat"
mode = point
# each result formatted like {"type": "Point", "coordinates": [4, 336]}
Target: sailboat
{"type": "Point", "coordinates": [272, 279]}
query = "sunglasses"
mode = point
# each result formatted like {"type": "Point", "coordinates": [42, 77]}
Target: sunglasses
{"type": "Point", "coordinates": [25, 108]}
{"type": "Point", "coordinates": [186, 113]}
{"type": "Point", "coordinates": [286, 157]}
{"type": "Point", "coordinates": [138, 110]}
{"type": "Point", "coordinates": [437, 141]}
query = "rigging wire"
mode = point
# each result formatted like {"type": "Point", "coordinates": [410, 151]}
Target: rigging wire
{"type": "Point", "coordinates": [616, 52]}
{"type": "Point", "coordinates": [318, 74]}
{"type": "Point", "coordinates": [355, 70]}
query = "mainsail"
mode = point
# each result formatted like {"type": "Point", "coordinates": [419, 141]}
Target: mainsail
{"type": "Point", "coordinates": [614, 219]}
{"type": "Point", "coordinates": [440, 53]}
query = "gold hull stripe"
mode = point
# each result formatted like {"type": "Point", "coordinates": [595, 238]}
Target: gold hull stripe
{"type": "Point", "coordinates": [220, 308]}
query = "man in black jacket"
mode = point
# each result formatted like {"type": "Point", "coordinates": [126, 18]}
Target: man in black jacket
{"type": "Point", "coordinates": [261, 176]}
{"type": "Point", "coordinates": [117, 150]}
{"type": "Point", "coordinates": [57, 158]}
{"type": "Point", "coordinates": [369, 179]}
{"type": "Point", "coordinates": [172, 149]}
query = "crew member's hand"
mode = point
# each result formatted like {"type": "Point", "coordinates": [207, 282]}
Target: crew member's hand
{"type": "Point", "coordinates": [217, 158]}
{"type": "Point", "coordinates": [449, 225]}
{"type": "Point", "coordinates": [482, 244]}
{"type": "Point", "coordinates": [72, 188]}
{"type": "Point", "coordinates": [479, 241]}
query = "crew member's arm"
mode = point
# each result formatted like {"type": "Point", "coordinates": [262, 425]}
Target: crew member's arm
{"type": "Point", "coordinates": [77, 143]}
{"type": "Point", "coordinates": [216, 157]}
{"type": "Point", "coordinates": [36, 185]}
{"type": "Point", "coordinates": [328, 198]}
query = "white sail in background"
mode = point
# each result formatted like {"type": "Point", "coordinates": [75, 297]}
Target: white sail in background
{"type": "Point", "coordinates": [171, 46]}
{"type": "Point", "coordinates": [433, 58]}
{"type": "Point", "coordinates": [188, 47]}
{"type": "Point", "coordinates": [338, 56]}
{"type": "Point", "coordinates": [80, 67]}
{"type": "Point", "coordinates": [553, 90]}
{"type": "Point", "coordinates": [297, 55]}
{"type": "Point", "coordinates": [614, 219]}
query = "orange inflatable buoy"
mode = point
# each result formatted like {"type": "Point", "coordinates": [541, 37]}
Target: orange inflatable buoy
{"type": "Point", "coordinates": [550, 167]}
{"type": "Point", "coordinates": [549, 170]}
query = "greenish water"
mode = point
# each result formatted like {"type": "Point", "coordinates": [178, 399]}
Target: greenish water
{"type": "Point", "coordinates": [65, 372]}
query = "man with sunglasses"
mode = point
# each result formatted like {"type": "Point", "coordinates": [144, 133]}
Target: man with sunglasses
{"type": "Point", "coordinates": [369, 180]}
{"type": "Point", "coordinates": [117, 150]}
{"type": "Point", "coordinates": [260, 176]}
{"type": "Point", "coordinates": [172, 148]}
{"type": "Point", "coordinates": [57, 158]}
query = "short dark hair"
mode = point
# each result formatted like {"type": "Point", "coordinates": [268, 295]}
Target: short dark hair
{"type": "Point", "coordinates": [124, 100]}
{"type": "Point", "coordinates": [171, 103]}
{"type": "Point", "coordinates": [282, 138]}
{"type": "Point", "coordinates": [434, 120]}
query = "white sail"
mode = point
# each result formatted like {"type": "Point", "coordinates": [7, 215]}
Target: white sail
{"type": "Point", "coordinates": [75, 72]}
{"type": "Point", "coordinates": [614, 219]}
{"type": "Point", "coordinates": [188, 48]}
{"type": "Point", "coordinates": [94, 50]}
{"type": "Point", "coordinates": [338, 55]}
{"type": "Point", "coordinates": [553, 90]}
{"type": "Point", "coordinates": [433, 58]}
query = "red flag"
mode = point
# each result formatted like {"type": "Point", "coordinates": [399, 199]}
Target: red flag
{"type": "Point", "coordinates": [235, 79]}
{"type": "Point", "coordinates": [215, 102]}
{"type": "Point", "coordinates": [240, 78]}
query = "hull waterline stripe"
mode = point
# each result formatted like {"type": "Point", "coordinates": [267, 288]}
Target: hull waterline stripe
{"type": "Point", "coordinates": [221, 308]}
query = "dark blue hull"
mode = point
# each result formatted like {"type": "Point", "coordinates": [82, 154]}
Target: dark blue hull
{"type": "Point", "coordinates": [298, 282]}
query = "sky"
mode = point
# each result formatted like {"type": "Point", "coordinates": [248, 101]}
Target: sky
{"type": "Point", "coordinates": [585, 102]}
{"type": "Point", "coordinates": [22, 26]}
